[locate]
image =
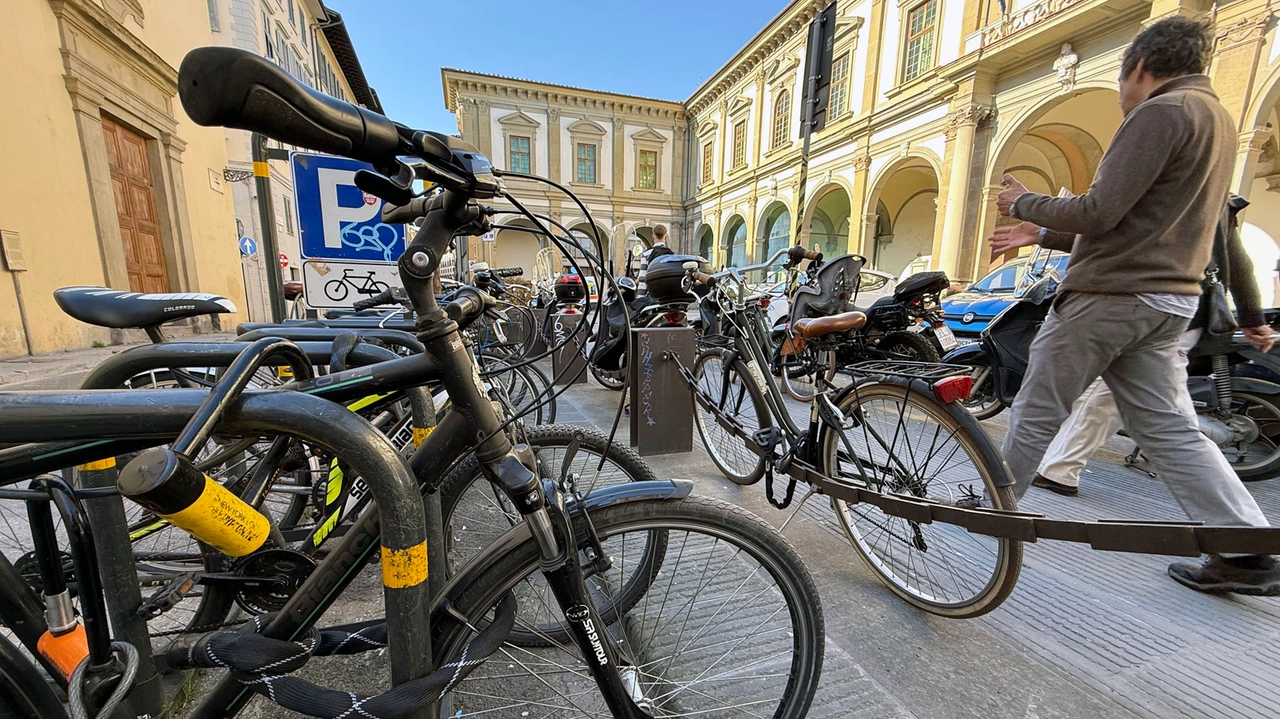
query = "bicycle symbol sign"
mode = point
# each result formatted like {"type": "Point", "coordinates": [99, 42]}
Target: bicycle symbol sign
{"type": "Point", "coordinates": [331, 284]}
{"type": "Point", "coordinates": [336, 220]}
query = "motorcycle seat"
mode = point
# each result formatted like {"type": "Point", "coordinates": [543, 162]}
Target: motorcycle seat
{"type": "Point", "coordinates": [118, 309]}
{"type": "Point", "coordinates": [814, 327]}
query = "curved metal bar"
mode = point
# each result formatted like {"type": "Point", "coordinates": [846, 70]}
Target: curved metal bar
{"type": "Point", "coordinates": [121, 414]}
{"type": "Point", "coordinates": [397, 338]}
{"type": "Point", "coordinates": [113, 372]}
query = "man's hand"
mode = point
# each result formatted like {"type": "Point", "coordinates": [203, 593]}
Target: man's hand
{"type": "Point", "coordinates": [1011, 192]}
{"type": "Point", "coordinates": [1024, 234]}
{"type": "Point", "coordinates": [1259, 337]}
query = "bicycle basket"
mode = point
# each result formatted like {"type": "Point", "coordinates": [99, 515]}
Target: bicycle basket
{"type": "Point", "coordinates": [831, 292]}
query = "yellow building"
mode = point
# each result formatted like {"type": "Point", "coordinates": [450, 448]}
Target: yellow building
{"type": "Point", "coordinates": [932, 101]}
{"type": "Point", "coordinates": [105, 181]}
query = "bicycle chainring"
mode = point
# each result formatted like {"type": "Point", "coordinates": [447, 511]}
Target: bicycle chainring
{"type": "Point", "coordinates": [286, 568]}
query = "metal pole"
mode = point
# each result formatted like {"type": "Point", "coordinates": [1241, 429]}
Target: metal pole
{"type": "Point", "coordinates": [267, 217]}
{"type": "Point", "coordinates": [815, 59]}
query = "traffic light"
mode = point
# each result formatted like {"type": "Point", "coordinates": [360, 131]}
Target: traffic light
{"type": "Point", "coordinates": [818, 55]}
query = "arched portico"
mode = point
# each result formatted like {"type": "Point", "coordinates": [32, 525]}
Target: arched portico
{"type": "Point", "coordinates": [734, 241]}
{"type": "Point", "coordinates": [905, 201]}
{"type": "Point", "coordinates": [828, 220]}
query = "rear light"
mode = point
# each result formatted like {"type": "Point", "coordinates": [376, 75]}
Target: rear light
{"type": "Point", "coordinates": [675, 318]}
{"type": "Point", "coordinates": [764, 302]}
{"type": "Point", "coordinates": [939, 324]}
{"type": "Point", "coordinates": [953, 388]}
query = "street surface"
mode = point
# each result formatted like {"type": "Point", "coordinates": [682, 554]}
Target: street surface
{"type": "Point", "coordinates": [1085, 634]}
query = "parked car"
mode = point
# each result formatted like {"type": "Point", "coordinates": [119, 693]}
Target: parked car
{"type": "Point", "coordinates": [969, 312]}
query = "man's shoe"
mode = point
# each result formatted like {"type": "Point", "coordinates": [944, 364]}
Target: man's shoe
{"type": "Point", "coordinates": [1257, 575]}
{"type": "Point", "coordinates": [1065, 490]}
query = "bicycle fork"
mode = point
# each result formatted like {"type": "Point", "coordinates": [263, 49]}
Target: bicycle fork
{"type": "Point", "coordinates": [617, 676]}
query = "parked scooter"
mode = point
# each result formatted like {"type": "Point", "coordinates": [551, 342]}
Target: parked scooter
{"type": "Point", "coordinates": [1235, 388]}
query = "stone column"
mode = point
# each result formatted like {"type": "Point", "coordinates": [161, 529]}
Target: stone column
{"type": "Point", "coordinates": [988, 219]}
{"type": "Point", "coordinates": [758, 125]}
{"type": "Point", "coordinates": [961, 128]}
{"type": "Point", "coordinates": [1250, 149]}
{"type": "Point", "coordinates": [752, 229]}
{"type": "Point", "coordinates": [875, 39]}
{"type": "Point", "coordinates": [553, 144]}
{"type": "Point", "coordinates": [484, 139]}
{"type": "Point", "coordinates": [619, 156]}
{"type": "Point", "coordinates": [677, 163]}
{"type": "Point", "coordinates": [860, 238]}
{"type": "Point", "coordinates": [722, 152]}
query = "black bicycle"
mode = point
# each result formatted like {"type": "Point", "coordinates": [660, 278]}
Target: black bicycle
{"type": "Point", "coordinates": [633, 601]}
{"type": "Point", "coordinates": [896, 430]}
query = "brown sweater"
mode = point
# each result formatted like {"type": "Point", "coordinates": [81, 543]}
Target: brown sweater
{"type": "Point", "coordinates": [1146, 224]}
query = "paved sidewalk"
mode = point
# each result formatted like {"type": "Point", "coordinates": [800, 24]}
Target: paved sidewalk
{"type": "Point", "coordinates": [65, 370]}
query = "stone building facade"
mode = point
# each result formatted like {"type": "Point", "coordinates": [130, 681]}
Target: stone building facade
{"type": "Point", "coordinates": [932, 102]}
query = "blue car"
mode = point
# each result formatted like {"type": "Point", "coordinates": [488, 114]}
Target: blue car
{"type": "Point", "coordinates": [969, 312]}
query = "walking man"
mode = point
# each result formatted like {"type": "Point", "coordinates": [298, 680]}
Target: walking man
{"type": "Point", "coordinates": [1140, 240]}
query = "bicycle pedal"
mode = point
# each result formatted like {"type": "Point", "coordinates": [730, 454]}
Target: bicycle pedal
{"type": "Point", "coordinates": [168, 596]}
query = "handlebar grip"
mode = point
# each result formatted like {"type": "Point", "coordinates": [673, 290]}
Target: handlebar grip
{"type": "Point", "coordinates": [468, 303]}
{"type": "Point", "coordinates": [405, 214]}
{"type": "Point", "coordinates": [507, 271]}
{"type": "Point", "coordinates": [703, 278]}
{"type": "Point", "coordinates": [227, 87]}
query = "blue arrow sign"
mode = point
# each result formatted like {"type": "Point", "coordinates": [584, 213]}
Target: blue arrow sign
{"type": "Point", "coordinates": [248, 247]}
{"type": "Point", "coordinates": [336, 220]}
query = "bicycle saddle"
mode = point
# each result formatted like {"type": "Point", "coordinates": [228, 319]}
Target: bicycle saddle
{"type": "Point", "coordinates": [811, 328]}
{"type": "Point", "coordinates": [106, 307]}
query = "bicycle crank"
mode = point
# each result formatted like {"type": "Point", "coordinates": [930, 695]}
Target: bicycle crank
{"type": "Point", "coordinates": [267, 579]}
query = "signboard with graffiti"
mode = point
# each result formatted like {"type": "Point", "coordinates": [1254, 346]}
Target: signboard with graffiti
{"type": "Point", "coordinates": [336, 220]}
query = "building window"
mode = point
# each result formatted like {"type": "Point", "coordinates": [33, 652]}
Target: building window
{"type": "Point", "coordinates": [288, 213]}
{"type": "Point", "coordinates": [519, 160]}
{"type": "Point", "coordinates": [921, 24]}
{"type": "Point", "coordinates": [214, 25]}
{"type": "Point", "coordinates": [291, 20]}
{"type": "Point", "coordinates": [708, 159]}
{"type": "Point", "coordinates": [739, 144]}
{"type": "Point", "coordinates": [648, 178]}
{"type": "Point", "coordinates": [266, 34]}
{"type": "Point", "coordinates": [839, 102]}
{"type": "Point", "coordinates": [782, 119]}
{"type": "Point", "coordinates": [586, 164]}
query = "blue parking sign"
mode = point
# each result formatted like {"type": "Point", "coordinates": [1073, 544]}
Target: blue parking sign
{"type": "Point", "coordinates": [338, 221]}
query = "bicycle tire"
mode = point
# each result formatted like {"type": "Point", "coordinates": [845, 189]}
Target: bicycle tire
{"type": "Point", "coordinates": [742, 401]}
{"type": "Point", "coordinates": [795, 628]}
{"type": "Point", "coordinates": [898, 566]}
{"type": "Point", "coordinates": [484, 513]}
{"type": "Point", "coordinates": [909, 346]}
{"type": "Point", "coordinates": [24, 691]}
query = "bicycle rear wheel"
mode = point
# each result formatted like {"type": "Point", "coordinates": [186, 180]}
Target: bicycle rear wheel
{"type": "Point", "coordinates": [731, 624]}
{"type": "Point", "coordinates": [24, 691]}
{"type": "Point", "coordinates": [734, 392]}
{"type": "Point", "coordinates": [911, 445]}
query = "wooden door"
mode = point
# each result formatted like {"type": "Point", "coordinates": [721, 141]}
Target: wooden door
{"type": "Point", "coordinates": [136, 208]}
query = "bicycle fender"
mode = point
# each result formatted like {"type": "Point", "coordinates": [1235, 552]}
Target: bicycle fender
{"type": "Point", "coordinates": [966, 354]}
{"type": "Point", "coordinates": [1253, 385]}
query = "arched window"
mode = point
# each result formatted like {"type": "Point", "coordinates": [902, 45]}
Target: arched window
{"type": "Point", "coordinates": [782, 119]}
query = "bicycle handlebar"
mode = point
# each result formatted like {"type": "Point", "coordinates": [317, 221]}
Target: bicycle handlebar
{"type": "Point", "coordinates": [384, 297]}
{"type": "Point", "coordinates": [233, 88]}
{"type": "Point", "coordinates": [469, 302]}
{"type": "Point", "coordinates": [404, 214]}
{"type": "Point", "coordinates": [506, 271]}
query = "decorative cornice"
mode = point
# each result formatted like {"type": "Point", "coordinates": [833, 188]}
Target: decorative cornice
{"type": "Point", "coordinates": [778, 33]}
{"type": "Point", "coordinates": [460, 85]}
{"type": "Point", "coordinates": [1246, 28]}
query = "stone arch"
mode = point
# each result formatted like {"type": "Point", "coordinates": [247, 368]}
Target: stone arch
{"type": "Point", "coordinates": [705, 242]}
{"type": "Point", "coordinates": [1052, 146]}
{"type": "Point", "coordinates": [733, 241]}
{"type": "Point", "coordinates": [516, 248]}
{"type": "Point", "coordinates": [775, 229]}
{"type": "Point", "coordinates": [907, 191]}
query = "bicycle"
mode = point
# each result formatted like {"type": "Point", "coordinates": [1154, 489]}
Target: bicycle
{"type": "Point", "coordinates": [895, 430]}
{"type": "Point", "coordinates": [336, 289]}
{"type": "Point", "coordinates": [613, 562]}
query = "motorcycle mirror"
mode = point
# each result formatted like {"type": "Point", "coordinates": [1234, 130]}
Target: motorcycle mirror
{"type": "Point", "coordinates": [690, 265]}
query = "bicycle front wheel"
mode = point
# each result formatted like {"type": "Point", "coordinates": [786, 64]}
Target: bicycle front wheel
{"type": "Point", "coordinates": [731, 624]}
{"type": "Point", "coordinates": [734, 394]}
{"type": "Point", "coordinates": [909, 444]}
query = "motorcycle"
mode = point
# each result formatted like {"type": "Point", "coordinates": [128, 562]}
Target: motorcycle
{"type": "Point", "coordinates": [665, 305]}
{"type": "Point", "coordinates": [1235, 388]}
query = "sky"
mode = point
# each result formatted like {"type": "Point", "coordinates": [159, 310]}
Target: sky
{"type": "Point", "coordinates": [656, 48]}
